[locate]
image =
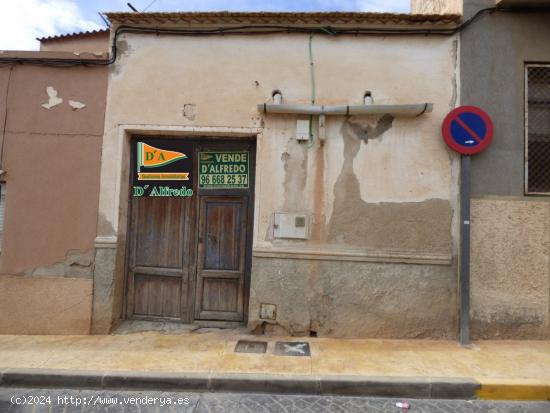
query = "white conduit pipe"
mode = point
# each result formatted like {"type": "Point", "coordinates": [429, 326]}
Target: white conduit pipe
{"type": "Point", "coordinates": [299, 109]}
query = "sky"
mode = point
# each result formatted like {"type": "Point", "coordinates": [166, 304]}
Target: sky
{"type": "Point", "coordinates": [22, 21]}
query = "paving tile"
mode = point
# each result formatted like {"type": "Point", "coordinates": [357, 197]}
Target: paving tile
{"type": "Point", "coordinates": [265, 403]}
{"type": "Point", "coordinates": [218, 403]}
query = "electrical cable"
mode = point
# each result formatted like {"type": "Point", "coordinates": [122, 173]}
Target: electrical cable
{"type": "Point", "coordinates": [313, 91]}
{"type": "Point", "coordinates": [257, 30]}
{"type": "Point", "coordinates": [150, 4]}
{"type": "Point", "coordinates": [5, 119]}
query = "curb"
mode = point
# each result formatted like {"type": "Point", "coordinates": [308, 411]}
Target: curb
{"type": "Point", "coordinates": [410, 387]}
{"type": "Point", "coordinates": [513, 390]}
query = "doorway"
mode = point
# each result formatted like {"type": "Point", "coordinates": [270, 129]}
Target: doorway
{"type": "Point", "coordinates": [188, 257]}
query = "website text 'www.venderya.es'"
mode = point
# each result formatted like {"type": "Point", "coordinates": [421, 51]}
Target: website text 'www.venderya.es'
{"type": "Point", "coordinates": [99, 400]}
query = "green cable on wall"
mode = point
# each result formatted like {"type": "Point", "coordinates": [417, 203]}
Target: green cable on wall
{"type": "Point", "coordinates": [313, 91]}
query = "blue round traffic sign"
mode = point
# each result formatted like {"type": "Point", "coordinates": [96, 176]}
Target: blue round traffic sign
{"type": "Point", "coordinates": [467, 130]}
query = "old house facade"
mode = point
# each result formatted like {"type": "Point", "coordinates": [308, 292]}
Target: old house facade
{"type": "Point", "coordinates": [283, 171]}
{"type": "Point", "coordinates": [350, 232]}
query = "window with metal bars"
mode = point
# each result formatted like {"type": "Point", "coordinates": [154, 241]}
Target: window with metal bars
{"type": "Point", "coordinates": [537, 124]}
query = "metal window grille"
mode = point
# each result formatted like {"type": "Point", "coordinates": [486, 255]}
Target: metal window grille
{"type": "Point", "coordinates": [537, 117]}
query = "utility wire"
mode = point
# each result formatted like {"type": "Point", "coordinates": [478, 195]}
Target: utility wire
{"type": "Point", "coordinates": [313, 91]}
{"type": "Point", "coordinates": [259, 30]}
{"type": "Point", "coordinates": [5, 119]}
{"type": "Point", "coordinates": [150, 4]}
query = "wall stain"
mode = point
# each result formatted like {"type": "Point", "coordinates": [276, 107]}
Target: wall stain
{"type": "Point", "coordinates": [318, 230]}
{"type": "Point", "coordinates": [285, 157]}
{"type": "Point", "coordinates": [295, 159]}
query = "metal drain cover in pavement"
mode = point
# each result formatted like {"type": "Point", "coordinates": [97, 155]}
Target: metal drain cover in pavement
{"type": "Point", "coordinates": [292, 348]}
{"type": "Point", "coordinates": [244, 346]}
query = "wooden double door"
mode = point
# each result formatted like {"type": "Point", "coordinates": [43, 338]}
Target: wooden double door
{"type": "Point", "coordinates": [189, 257]}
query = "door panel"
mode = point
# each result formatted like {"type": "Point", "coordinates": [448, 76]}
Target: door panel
{"type": "Point", "coordinates": [157, 296]}
{"type": "Point", "coordinates": [221, 257]}
{"type": "Point", "coordinates": [158, 276]}
{"type": "Point", "coordinates": [159, 233]}
{"type": "Point", "coordinates": [221, 295]}
{"type": "Point", "coordinates": [222, 235]}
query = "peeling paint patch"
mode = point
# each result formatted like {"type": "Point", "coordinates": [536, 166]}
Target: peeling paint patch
{"type": "Point", "coordinates": [454, 83]}
{"type": "Point", "coordinates": [53, 100]}
{"type": "Point", "coordinates": [190, 111]}
{"type": "Point", "coordinates": [76, 105]}
{"type": "Point", "coordinates": [412, 226]}
{"type": "Point", "coordinates": [365, 132]}
{"type": "Point", "coordinates": [104, 226]}
{"type": "Point", "coordinates": [266, 328]}
{"type": "Point", "coordinates": [77, 264]}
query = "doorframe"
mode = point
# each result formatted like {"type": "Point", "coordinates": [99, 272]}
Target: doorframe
{"type": "Point", "coordinates": [108, 307]}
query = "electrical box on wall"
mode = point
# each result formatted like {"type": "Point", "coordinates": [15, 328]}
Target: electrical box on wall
{"type": "Point", "coordinates": [302, 129]}
{"type": "Point", "coordinates": [290, 225]}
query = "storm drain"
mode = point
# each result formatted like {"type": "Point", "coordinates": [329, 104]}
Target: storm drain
{"type": "Point", "coordinates": [244, 346]}
{"type": "Point", "coordinates": [292, 348]}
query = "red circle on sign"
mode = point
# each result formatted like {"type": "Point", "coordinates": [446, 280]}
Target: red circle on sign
{"type": "Point", "coordinates": [483, 141]}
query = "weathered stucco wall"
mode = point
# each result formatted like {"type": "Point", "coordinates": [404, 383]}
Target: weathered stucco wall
{"type": "Point", "coordinates": [510, 277]}
{"type": "Point", "coordinates": [41, 305]}
{"type": "Point", "coordinates": [51, 158]}
{"type": "Point", "coordinates": [510, 268]}
{"type": "Point", "coordinates": [379, 187]}
{"type": "Point", "coordinates": [351, 299]}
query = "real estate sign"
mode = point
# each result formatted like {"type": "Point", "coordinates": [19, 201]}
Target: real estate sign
{"type": "Point", "coordinates": [223, 170]}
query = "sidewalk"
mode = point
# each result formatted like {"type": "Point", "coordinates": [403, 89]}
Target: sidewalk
{"type": "Point", "coordinates": [207, 361]}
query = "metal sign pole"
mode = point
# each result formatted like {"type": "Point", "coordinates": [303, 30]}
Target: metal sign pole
{"type": "Point", "coordinates": [467, 130]}
{"type": "Point", "coordinates": [465, 250]}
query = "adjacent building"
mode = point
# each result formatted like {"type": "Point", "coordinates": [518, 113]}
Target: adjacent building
{"type": "Point", "coordinates": [51, 131]}
{"type": "Point", "coordinates": [505, 68]}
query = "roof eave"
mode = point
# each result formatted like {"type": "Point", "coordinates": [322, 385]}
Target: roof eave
{"type": "Point", "coordinates": [309, 19]}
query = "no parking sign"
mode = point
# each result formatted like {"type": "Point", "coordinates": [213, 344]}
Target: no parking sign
{"type": "Point", "coordinates": [467, 130]}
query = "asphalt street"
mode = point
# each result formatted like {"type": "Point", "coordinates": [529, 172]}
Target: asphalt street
{"type": "Point", "coordinates": [67, 401]}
